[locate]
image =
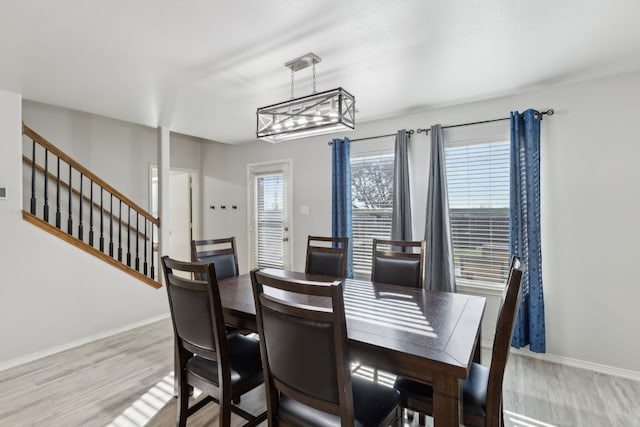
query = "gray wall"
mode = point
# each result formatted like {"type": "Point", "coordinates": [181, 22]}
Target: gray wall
{"type": "Point", "coordinates": [590, 205]}
{"type": "Point", "coordinates": [589, 216]}
{"type": "Point", "coordinates": [54, 295]}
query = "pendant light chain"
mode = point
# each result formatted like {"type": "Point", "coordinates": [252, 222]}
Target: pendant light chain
{"type": "Point", "coordinates": [314, 77]}
{"type": "Point", "coordinates": [292, 73]}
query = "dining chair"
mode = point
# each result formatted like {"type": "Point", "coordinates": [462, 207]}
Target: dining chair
{"type": "Point", "coordinates": [482, 391]}
{"type": "Point", "coordinates": [395, 262]}
{"type": "Point", "coordinates": [221, 252]}
{"type": "Point", "coordinates": [222, 366]}
{"type": "Point", "coordinates": [327, 256]}
{"type": "Point", "coordinates": [303, 343]}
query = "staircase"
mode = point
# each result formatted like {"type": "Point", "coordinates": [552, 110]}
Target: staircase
{"type": "Point", "coordinates": [69, 201]}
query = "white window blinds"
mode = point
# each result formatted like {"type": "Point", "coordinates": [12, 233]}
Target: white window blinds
{"type": "Point", "coordinates": [269, 231]}
{"type": "Point", "coordinates": [478, 186]}
{"type": "Point", "coordinates": [372, 201]}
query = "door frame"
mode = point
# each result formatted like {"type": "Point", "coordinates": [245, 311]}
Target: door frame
{"type": "Point", "coordinates": [194, 175]}
{"type": "Point", "coordinates": [284, 166]}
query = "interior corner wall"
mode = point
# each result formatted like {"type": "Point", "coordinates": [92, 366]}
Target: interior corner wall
{"type": "Point", "coordinates": [589, 193]}
{"type": "Point", "coordinates": [52, 294]}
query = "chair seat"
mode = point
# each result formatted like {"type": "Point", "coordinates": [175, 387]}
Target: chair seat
{"type": "Point", "coordinates": [474, 390]}
{"type": "Point", "coordinates": [373, 404]}
{"type": "Point", "coordinates": [244, 353]}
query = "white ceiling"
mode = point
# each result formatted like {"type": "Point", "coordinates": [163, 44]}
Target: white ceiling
{"type": "Point", "coordinates": [202, 67]}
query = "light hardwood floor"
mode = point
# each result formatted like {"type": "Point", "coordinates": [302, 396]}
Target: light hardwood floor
{"type": "Point", "coordinates": [126, 380]}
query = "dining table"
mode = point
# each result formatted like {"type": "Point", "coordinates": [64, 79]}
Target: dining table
{"type": "Point", "coordinates": [428, 336]}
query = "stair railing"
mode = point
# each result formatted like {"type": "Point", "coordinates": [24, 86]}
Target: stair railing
{"type": "Point", "coordinates": [99, 219]}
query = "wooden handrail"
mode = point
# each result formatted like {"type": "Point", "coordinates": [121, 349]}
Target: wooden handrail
{"type": "Point", "coordinates": [96, 205]}
{"type": "Point", "coordinates": [86, 172]}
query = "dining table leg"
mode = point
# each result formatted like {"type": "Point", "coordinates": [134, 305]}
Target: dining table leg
{"type": "Point", "coordinates": [447, 398]}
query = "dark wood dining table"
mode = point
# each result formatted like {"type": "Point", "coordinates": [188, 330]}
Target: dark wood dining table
{"type": "Point", "coordinates": [425, 335]}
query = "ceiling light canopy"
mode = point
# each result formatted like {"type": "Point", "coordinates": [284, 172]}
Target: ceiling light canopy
{"type": "Point", "coordinates": [316, 114]}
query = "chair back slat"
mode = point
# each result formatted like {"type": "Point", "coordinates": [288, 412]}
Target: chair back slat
{"type": "Point", "coordinates": [304, 344]}
{"type": "Point", "coordinates": [398, 265]}
{"type": "Point", "coordinates": [221, 252]}
{"type": "Point", "coordinates": [507, 313]}
{"type": "Point", "coordinates": [196, 310]}
{"type": "Point", "coordinates": [327, 256]}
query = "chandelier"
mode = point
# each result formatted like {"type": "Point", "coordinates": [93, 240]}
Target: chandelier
{"type": "Point", "coordinates": [316, 114]}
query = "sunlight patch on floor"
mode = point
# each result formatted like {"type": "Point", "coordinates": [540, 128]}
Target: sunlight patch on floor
{"type": "Point", "coordinates": [147, 406]}
{"type": "Point", "coordinates": [519, 420]}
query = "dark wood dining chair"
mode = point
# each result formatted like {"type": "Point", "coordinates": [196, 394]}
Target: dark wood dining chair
{"type": "Point", "coordinates": [482, 391]}
{"type": "Point", "coordinates": [395, 262]}
{"type": "Point", "coordinates": [327, 256]}
{"type": "Point", "coordinates": [221, 252]}
{"type": "Point", "coordinates": [222, 366]}
{"type": "Point", "coordinates": [303, 342]}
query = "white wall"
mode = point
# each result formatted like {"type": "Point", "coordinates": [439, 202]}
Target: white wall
{"type": "Point", "coordinates": [53, 294]}
{"type": "Point", "coordinates": [590, 204]}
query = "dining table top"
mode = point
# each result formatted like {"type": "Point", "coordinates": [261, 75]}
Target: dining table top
{"type": "Point", "coordinates": [428, 336]}
{"type": "Point", "coordinates": [404, 324]}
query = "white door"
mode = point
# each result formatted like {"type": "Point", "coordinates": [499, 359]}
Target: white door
{"type": "Point", "coordinates": [269, 221]}
{"type": "Point", "coordinates": [183, 206]}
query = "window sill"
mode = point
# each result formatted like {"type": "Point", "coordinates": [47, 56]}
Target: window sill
{"type": "Point", "coordinates": [487, 289]}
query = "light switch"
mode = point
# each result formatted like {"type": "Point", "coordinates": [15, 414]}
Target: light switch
{"type": "Point", "coordinates": [3, 192]}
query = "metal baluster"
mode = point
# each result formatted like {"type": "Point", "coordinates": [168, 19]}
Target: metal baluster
{"type": "Point", "coordinates": [153, 255]}
{"type": "Point", "coordinates": [46, 185]}
{"type": "Point", "coordinates": [70, 218]}
{"type": "Point", "coordinates": [129, 238]}
{"type": "Point", "coordinates": [137, 241]}
{"type": "Point", "coordinates": [58, 214]}
{"type": "Point", "coordinates": [101, 220]}
{"type": "Point", "coordinates": [33, 179]}
{"type": "Point", "coordinates": [120, 233]}
{"type": "Point", "coordinates": [145, 247]}
{"type": "Point", "coordinates": [81, 225]}
{"type": "Point", "coordinates": [91, 216]}
{"type": "Point", "coordinates": [111, 225]}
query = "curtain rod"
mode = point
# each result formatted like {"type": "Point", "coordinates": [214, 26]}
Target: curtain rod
{"type": "Point", "coordinates": [410, 132]}
{"type": "Point", "coordinates": [548, 112]}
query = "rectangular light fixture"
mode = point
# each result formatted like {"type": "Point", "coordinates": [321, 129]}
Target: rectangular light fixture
{"type": "Point", "coordinates": [316, 114]}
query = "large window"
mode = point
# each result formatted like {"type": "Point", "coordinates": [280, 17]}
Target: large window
{"type": "Point", "coordinates": [478, 185]}
{"type": "Point", "coordinates": [372, 200]}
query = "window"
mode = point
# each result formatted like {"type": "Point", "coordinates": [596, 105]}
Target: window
{"type": "Point", "coordinates": [269, 189]}
{"type": "Point", "coordinates": [478, 185]}
{"type": "Point", "coordinates": [372, 200]}
{"type": "Point", "coordinates": [270, 219]}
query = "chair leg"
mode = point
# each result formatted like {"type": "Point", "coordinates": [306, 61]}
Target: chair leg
{"type": "Point", "coordinates": [183, 405]}
{"type": "Point", "coordinates": [225, 411]}
{"type": "Point", "coordinates": [422, 420]}
{"type": "Point", "coordinates": [399, 420]}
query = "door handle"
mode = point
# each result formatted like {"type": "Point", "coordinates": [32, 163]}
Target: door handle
{"type": "Point", "coordinates": [285, 239]}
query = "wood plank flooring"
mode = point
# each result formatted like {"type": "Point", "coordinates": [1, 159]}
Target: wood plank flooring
{"type": "Point", "coordinates": [126, 381]}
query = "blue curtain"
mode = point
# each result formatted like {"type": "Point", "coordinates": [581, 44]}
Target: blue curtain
{"type": "Point", "coordinates": [524, 223]}
{"type": "Point", "coordinates": [341, 195]}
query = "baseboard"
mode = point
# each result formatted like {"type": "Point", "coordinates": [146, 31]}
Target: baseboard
{"type": "Point", "coordinates": [57, 349]}
{"type": "Point", "coordinates": [569, 361]}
